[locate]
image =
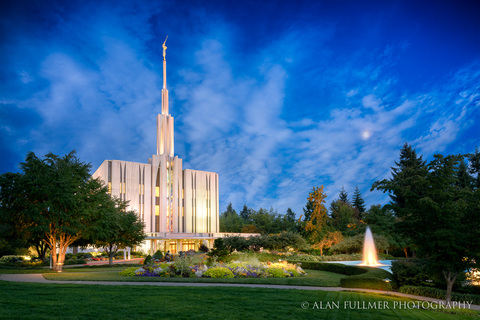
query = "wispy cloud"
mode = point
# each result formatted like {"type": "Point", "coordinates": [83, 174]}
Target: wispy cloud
{"type": "Point", "coordinates": [311, 98]}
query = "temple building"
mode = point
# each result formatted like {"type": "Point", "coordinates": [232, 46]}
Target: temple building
{"type": "Point", "coordinates": [179, 207]}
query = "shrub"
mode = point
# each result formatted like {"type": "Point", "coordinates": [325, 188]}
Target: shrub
{"type": "Point", "coordinates": [74, 261]}
{"type": "Point", "coordinates": [410, 272]}
{"type": "Point", "coordinates": [439, 294]}
{"type": "Point", "coordinates": [11, 259]}
{"type": "Point", "coordinates": [203, 248]}
{"type": "Point", "coordinates": [365, 283]}
{"type": "Point", "coordinates": [129, 272]}
{"type": "Point", "coordinates": [218, 272]}
{"type": "Point", "coordinates": [285, 240]}
{"type": "Point", "coordinates": [219, 249]}
{"type": "Point", "coordinates": [69, 256]}
{"type": "Point", "coordinates": [139, 254]}
{"type": "Point", "coordinates": [277, 273]}
{"type": "Point", "coordinates": [158, 255]}
{"type": "Point", "coordinates": [80, 255]}
{"type": "Point", "coordinates": [148, 259]}
{"type": "Point", "coordinates": [87, 256]}
{"type": "Point", "coordinates": [236, 243]}
{"type": "Point", "coordinates": [257, 243]}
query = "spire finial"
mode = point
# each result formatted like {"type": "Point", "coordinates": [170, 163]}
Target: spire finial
{"type": "Point", "coordinates": [164, 48]}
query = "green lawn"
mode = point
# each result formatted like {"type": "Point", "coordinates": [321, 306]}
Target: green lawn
{"type": "Point", "coordinates": [68, 301]}
{"type": "Point", "coordinates": [117, 268]}
{"type": "Point", "coordinates": [313, 278]}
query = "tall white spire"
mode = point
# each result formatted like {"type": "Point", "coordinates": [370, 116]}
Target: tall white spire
{"type": "Point", "coordinates": [164, 90]}
{"type": "Point", "coordinates": [165, 120]}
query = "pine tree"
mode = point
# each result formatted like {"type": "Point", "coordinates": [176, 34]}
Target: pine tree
{"type": "Point", "coordinates": [245, 213]}
{"type": "Point", "coordinates": [474, 166]}
{"type": "Point", "coordinates": [359, 203]}
{"type": "Point", "coordinates": [343, 195]}
{"type": "Point", "coordinates": [229, 210]}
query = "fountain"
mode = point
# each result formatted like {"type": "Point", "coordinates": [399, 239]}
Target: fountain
{"type": "Point", "coordinates": [369, 252]}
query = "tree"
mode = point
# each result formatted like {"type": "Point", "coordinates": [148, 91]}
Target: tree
{"type": "Point", "coordinates": [120, 230]}
{"type": "Point", "coordinates": [439, 216]}
{"type": "Point", "coordinates": [358, 203]}
{"type": "Point", "coordinates": [230, 210]}
{"type": "Point", "coordinates": [316, 227]}
{"type": "Point", "coordinates": [230, 221]}
{"type": "Point", "coordinates": [344, 216]}
{"type": "Point", "coordinates": [55, 197]}
{"type": "Point", "coordinates": [289, 221]}
{"type": "Point", "coordinates": [343, 196]}
{"type": "Point", "coordinates": [406, 187]}
{"type": "Point", "coordinates": [245, 213]}
{"type": "Point", "coordinates": [474, 166]}
{"type": "Point", "coordinates": [266, 221]}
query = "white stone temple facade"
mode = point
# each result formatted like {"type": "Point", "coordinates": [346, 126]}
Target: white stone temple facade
{"type": "Point", "coordinates": [179, 207]}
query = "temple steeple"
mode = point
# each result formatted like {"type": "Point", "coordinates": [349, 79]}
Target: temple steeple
{"type": "Point", "coordinates": [165, 120]}
{"type": "Point", "coordinates": [164, 90]}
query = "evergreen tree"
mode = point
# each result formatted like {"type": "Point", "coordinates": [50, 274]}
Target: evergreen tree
{"type": "Point", "coordinates": [245, 213]}
{"type": "Point", "coordinates": [359, 203]}
{"type": "Point", "coordinates": [290, 221]}
{"type": "Point", "coordinates": [308, 210]}
{"type": "Point", "coordinates": [464, 179]}
{"type": "Point", "coordinates": [230, 210]}
{"type": "Point", "coordinates": [436, 213]}
{"type": "Point", "coordinates": [344, 216]}
{"type": "Point", "coordinates": [474, 166]}
{"type": "Point", "coordinates": [343, 196]}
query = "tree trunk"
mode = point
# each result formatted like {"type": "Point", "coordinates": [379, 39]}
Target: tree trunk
{"type": "Point", "coordinates": [450, 277]}
{"type": "Point", "coordinates": [406, 252]}
{"type": "Point", "coordinates": [53, 254]}
{"type": "Point", "coordinates": [41, 248]}
{"type": "Point", "coordinates": [111, 250]}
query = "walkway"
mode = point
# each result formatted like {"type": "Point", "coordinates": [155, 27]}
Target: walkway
{"type": "Point", "coordinates": [38, 278]}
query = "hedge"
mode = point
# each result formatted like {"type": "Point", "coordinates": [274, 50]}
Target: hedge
{"type": "Point", "coordinates": [331, 267]}
{"type": "Point", "coordinates": [439, 294]}
{"type": "Point", "coordinates": [365, 283]}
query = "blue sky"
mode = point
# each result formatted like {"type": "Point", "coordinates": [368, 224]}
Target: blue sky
{"type": "Point", "coordinates": [274, 96]}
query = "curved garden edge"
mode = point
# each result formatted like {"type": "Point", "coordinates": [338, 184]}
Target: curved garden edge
{"type": "Point", "coordinates": [38, 278]}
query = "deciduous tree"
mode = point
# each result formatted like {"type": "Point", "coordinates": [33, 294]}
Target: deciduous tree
{"type": "Point", "coordinates": [55, 197]}
{"type": "Point", "coordinates": [119, 229]}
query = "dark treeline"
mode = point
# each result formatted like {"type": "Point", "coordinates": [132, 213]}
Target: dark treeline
{"type": "Point", "coordinates": [261, 221]}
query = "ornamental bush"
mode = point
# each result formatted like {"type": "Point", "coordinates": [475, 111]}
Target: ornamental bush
{"type": "Point", "coordinates": [158, 255]}
{"type": "Point", "coordinates": [148, 259]}
{"type": "Point", "coordinates": [218, 272]}
{"type": "Point", "coordinates": [410, 272]}
{"type": "Point", "coordinates": [277, 273]}
{"type": "Point", "coordinates": [129, 272]}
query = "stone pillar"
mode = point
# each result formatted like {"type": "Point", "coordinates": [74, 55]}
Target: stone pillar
{"type": "Point", "coordinates": [179, 245]}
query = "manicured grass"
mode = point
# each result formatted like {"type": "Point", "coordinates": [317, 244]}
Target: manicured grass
{"type": "Point", "coordinates": [68, 301]}
{"type": "Point", "coordinates": [313, 278]}
{"type": "Point", "coordinates": [99, 268]}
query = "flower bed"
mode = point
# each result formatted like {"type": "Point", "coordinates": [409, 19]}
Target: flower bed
{"type": "Point", "coordinates": [236, 269]}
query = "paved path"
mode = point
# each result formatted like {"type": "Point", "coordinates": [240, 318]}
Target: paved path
{"type": "Point", "coordinates": [38, 278]}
